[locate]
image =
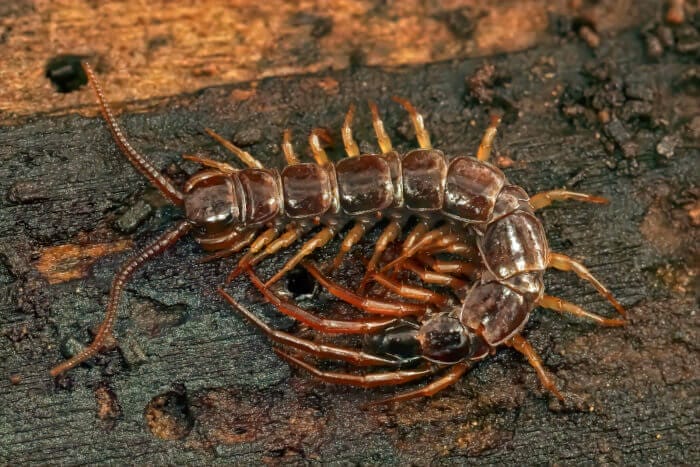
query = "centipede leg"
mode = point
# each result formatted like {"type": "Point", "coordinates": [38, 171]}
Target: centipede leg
{"type": "Point", "coordinates": [260, 242]}
{"type": "Point", "coordinates": [348, 141]}
{"type": "Point", "coordinates": [382, 136]}
{"type": "Point", "coordinates": [368, 305]}
{"type": "Point", "coordinates": [447, 267]}
{"type": "Point", "coordinates": [371, 380]}
{"type": "Point", "coordinates": [206, 162]}
{"type": "Point", "coordinates": [418, 122]}
{"type": "Point", "coordinates": [432, 276]}
{"type": "Point", "coordinates": [317, 241]}
{"type": "Point", "coordinates": [457, 248]}
{"type": "Point", "coordinates": [410, 291]}
{"type": "Point", "coordinates": [388, 235]}
{"type": "Point", "coordinates": [317, 150]}
{"type": "Point", "coordinates": [564, 263]}
{"type": "Point", "coordinates": [437, 238]}
{"type": "Point", "coordinates": [329, 326]}
{"type": "Point", "coordinates": [420, 229]}
{"type": "Point", "coordinates": [353, 236]}
{"type": "Point", "coordinates": [562, 306]}
{"type": "Point", "coordinates": [243, 241]}
{"type": "Point", "coordinates": [274, 244]}
{"type": "Point", "coordinates": [519, 343]}
{"type": "Point", "coordinates": [448, 379]}
{"type": "Point", "coordinates": [243, 156]}
{"type": "Point", "coordinates": [356, 357]}
{"type": "Point", "coordinates": [484, 151]}
{"type": "Point", "coordinates": [161, 244]}
{"type": "Point", "coordinates": [545, 198]}
{"type": "Point", "coordinates": [288, 149]}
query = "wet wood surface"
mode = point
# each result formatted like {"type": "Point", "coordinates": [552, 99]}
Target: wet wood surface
{"type": "Point", "coordinates": [191, 381]}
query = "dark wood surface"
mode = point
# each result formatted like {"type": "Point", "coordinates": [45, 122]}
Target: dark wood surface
{"type": "Point", "coordinates": [163, 48]}
{"type": "Point", "coordinates": [208, 384]}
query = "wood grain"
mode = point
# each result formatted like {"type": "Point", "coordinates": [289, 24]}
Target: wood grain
{"type": "Point", "coordinates": [192, 382]}
{"type": "Point", "coordinates": [148, 49]}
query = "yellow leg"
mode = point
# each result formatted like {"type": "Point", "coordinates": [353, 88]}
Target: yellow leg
{"type": "Point", "coordinates": [562, 306]}
{"type": "Point", "coordinates": [564, 263]}
{"type": "Point", "coordinates": [244, 156]}
{"type": "Point", "coordinates": [354, 235]}
{"type": "Point", "coordinates": [484, 151]}
{"type": "Point", "coordinates": [349, 142]}
{"type": "Point", "coordinates": [273, 243]}
{"type": "Point", "coordinates": [421, 133]}
{"type": "Point", "coordinates": [288, 149]}
{"type": "Point", "coordinates": [413, 292]}
{"type": "Point", "coordinates": [519, 343]}
{"type": "Point", "coordinates": [319, 154]}
{"type": "Point", "coordinates": [206, 162]}
{"type": "Point", "coordinates": [382, 137]}
{"type": "Point", "coordinates": [387, 236]}
{"type": "Point", "coordinates": [317, 241]}
{"type": "Point", "coordinates": [544, 199]}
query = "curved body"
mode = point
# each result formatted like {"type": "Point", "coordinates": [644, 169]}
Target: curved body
{"type": "Point", "coordinates": [487, 222]}
{"type": "Point", "coordinates": [474, 194]}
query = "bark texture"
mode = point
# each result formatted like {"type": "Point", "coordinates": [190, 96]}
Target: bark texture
{"type": "Point", "coordinates": [191, 381]}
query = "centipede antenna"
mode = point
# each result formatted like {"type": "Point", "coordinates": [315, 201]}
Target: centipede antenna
{"type": "Point", "coordinates": [162, 243]}
{"type": "Point", "coordinates": [382, 136]}
{"type": "Point", "coordinates": [350, 144]}
{"type": "Point", "coordinates": [418, 123]}
{"type": "Point", "coordinates": [484, 151]}
{"type": "Point", "coordinates": [288, 149]}
{"type": "Point", "coordinates": [319, 153]}
{"type": "Point", "coordinates": [243, 156]}
{"type": "Point", "coordinates": [160, 181]}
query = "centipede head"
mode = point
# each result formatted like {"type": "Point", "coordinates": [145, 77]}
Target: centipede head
{"type": "Point", "coordinates": [211, 201]}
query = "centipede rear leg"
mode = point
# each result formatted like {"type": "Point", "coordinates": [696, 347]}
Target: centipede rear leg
{"type": "Point", "coordinates": [372, 380]}
{"type": "Point", "coordinates": [324, 351]}
{"type": "Point", "coordinates": [420, 229]}
{"type": "Point", "coordinates": [366, 304]}
{"type": "Point", "coordinates": [462, 268]}
{"type": "Point", "coordinates": [448, 379]}
{"type": "Point", "coordinates": [329, 326]}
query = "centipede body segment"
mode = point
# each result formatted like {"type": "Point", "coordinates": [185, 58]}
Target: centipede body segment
{"type": "Point", "coordinates": [464, 207]}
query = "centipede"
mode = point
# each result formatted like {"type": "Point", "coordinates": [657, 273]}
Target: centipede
{"type": "Point", "coordinates": [462, 206]}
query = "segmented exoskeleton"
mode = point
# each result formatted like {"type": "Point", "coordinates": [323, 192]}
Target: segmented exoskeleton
{"type": "Point", "coordinates": [266, 210]}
